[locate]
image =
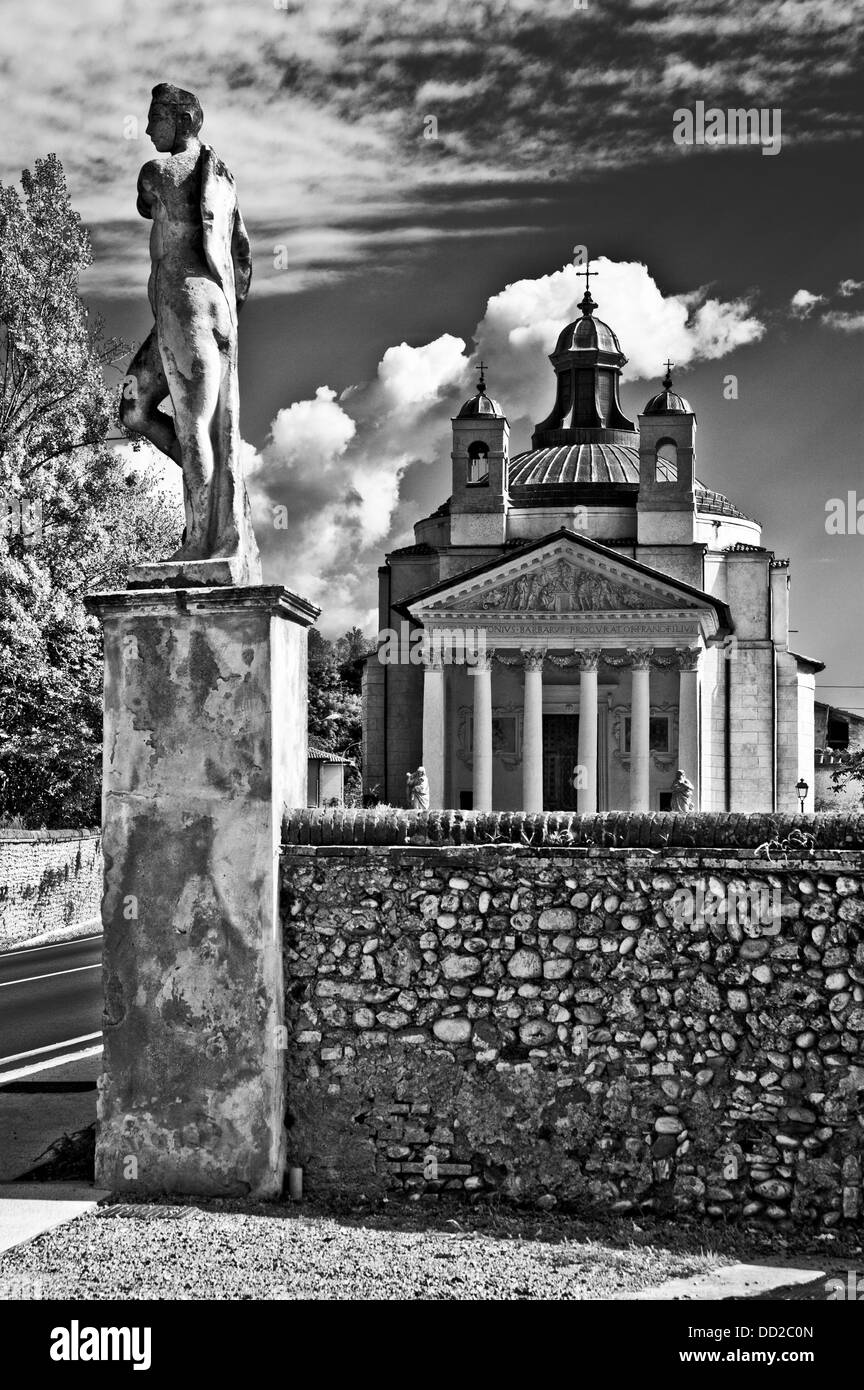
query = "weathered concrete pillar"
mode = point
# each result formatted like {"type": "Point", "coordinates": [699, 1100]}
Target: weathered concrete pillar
{"type": "Point", "coordinates": [204, 747]}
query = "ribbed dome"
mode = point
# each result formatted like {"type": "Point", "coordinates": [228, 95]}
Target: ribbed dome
{"type": "Point", "coordinates": [667, 401]}
{"type": "Point", "coordinates": [587, 335]}
{"type": "Point", "coordinates": [481, 404]}
{"type": "Point", "coordinates": [600, 464]}
{"type": "Point", "coordinates": [575, 463]}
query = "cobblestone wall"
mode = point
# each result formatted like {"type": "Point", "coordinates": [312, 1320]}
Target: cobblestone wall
{"type": "Point", "coordinates": [609, 1029]}
{"type": "Point", "coordinates": [50, 881]}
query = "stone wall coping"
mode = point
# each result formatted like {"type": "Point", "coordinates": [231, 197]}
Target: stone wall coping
{"type": "Point", "coordinates": [660, 831]}
{"type": "Point", "coordinates": [841, 861]}
{"type": "Point", "coordinates": [30, 837]}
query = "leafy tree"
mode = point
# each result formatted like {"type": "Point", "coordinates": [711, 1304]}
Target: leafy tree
{"type": "Point", "coordinates": [852, 770]}
{"type": "Point", "coordinates": [73, 514]}
{"type": "Point", "coordinates": [335, 713]}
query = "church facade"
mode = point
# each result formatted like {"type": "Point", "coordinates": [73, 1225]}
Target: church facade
{"type": "Point", "coordinates": [590, 620]}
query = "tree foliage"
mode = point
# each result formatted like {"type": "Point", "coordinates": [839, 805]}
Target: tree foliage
{"type": "Point", "coordinates": [73, 513]}
{"type": "Point", "coordinates": [852, 770]}
{"type": "Point", "coordinates": [335, 672]}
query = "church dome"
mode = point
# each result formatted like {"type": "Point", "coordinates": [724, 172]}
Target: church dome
{"type": "Point", "coordinates": [588, 335]}
{"type": "Point", "coordinates": [480, 403]}
{"type": "Point", "coordinates": [576, 463]}
{"type": "Point", "coordinates": [667, 401]}
{"type": "Point", "coordinates": [578, 473]}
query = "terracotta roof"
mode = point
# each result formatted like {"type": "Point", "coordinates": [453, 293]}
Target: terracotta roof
{"type": "Point", "coordinates": [324, 755]}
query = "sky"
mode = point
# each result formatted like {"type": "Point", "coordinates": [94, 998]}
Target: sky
{"type": "Point", "coordinates": [415, 178]}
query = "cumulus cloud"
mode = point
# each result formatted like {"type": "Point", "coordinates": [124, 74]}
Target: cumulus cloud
{"type": "Point", "coordinates": [803, 303]}
{"type": "Point", "coordinates": [327, 486]}
{"type": "Point", "coordinates": [522, 323]}
{"type": "Point", "coordinates": [846, 288]}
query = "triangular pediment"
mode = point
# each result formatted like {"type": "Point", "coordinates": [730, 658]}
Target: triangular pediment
{"type": "Point", "coordinates": [563, 576]}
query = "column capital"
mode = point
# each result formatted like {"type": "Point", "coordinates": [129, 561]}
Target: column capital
{"type": "Point", "coordinates": [433, 659]}
{"type": "Point", "coordinates": [687, 658]}
{"type": "Point", "coordinates": [588, 660]}
{"type": "Point", "coordinates": [533, 658]}
{"type": "Point", "coordinates": [640, 657]}
{"type": "Point", "coordinates": [481, 661]}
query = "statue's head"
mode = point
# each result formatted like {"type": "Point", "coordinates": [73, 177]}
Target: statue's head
{"type": "Point", "coordinates": [174, 114]}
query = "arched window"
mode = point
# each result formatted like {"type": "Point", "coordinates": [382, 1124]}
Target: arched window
{"type": "Point", "coordinates": [666, 461]}
{"type": "Point", "coordinates": [478, 463]}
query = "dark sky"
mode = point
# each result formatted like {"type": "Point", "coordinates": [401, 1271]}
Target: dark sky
{"type": "Point", "coordinates": [554, 129]}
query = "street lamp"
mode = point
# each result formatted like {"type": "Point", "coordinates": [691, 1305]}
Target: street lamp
{"type": "Point", "coordinates": [802, 788]}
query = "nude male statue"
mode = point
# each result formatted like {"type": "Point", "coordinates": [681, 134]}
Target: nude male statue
{"type": "Point", "coordinates": [200, 275]}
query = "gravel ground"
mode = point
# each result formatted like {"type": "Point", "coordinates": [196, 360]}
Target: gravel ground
{"type": "Point", "coordinates": [233, 1250]}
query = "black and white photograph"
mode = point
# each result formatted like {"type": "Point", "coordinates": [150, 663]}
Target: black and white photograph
{"type": "Point", "coordinates": [431, 670]}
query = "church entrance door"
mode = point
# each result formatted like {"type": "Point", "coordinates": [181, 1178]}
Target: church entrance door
{"type": "Point", "coordinates": [560, 756]}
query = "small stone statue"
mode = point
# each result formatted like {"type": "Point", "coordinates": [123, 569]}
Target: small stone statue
{"type": "Point", "coordinates": [418, 790]}
{"type": "Point", "coordinates": [201, 270]}
{"type": "Point", "coordinates": [682, 793]}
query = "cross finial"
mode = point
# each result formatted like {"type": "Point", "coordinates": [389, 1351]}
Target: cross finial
{"type": "Point", "coordinates": [481, 384]}
{"type": "Point", "coordinates": [587, 305]}
{"type": "Point", "coordinates": [667, 380]}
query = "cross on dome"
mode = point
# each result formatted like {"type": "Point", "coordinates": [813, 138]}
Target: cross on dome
{"type": "Point", "coordinates": [588, 304]}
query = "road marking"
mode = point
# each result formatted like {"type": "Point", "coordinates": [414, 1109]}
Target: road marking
{"type": "Point", "coordinates": [54, 945]}
{"type": "Point", "coordinates": [50, 1062]}
{"type": "Point", "coordinates": [37, 1051]}
{"type": "Point", "coordinates": [50, 975]}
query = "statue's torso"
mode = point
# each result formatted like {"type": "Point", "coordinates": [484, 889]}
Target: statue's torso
{"type": "Point", "coordinates": [170, 188]}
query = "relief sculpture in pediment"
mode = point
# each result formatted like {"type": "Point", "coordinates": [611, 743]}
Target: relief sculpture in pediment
{"type": "Point", "coordinates": [565, 589]}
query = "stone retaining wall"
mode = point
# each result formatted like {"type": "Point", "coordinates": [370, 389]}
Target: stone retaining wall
{"type": "Point", "coordinates": [50, 882]}
{"type": "Point", "coordinates": [579, 1027]}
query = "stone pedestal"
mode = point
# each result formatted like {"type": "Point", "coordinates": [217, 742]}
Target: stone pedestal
{"type": "Point", "coordinates": [204, 747]}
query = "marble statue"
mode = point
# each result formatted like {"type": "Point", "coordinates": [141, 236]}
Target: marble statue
{"type": "Point", "coordinates": [201, 268]}
{"type": "Point", "coordinates": [681, 793]}
{"type": "Point", "coordinates": [418, 790]}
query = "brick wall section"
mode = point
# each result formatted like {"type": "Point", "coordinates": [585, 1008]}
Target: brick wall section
{"type": "Point", "coordinates": [657, 830]}
{"type": "Point", "coordinates": [548, 1025]}
{"type": "Point", "coordinates": [49, 879]}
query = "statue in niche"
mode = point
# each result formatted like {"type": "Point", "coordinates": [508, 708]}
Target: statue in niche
{"type": "Point", "coordinates": [418, 790]}
{"type": "Point", "coordinates": [681, 794]}
{"type": "Point", "coordinates": [201, 269]}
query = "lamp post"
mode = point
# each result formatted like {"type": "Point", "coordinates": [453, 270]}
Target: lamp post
{"type": "Point", "coordinates": [802, 788]}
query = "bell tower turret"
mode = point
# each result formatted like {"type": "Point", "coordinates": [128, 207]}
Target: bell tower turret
{"type": "Point", "coordinates": [481, 458]}
{"type": "Point", "coordinates": [666, 506]}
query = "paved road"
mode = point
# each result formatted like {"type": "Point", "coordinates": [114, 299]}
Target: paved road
{"type": "Point", "coordinates": [50, 1008]}
{"type": "Point", "coordinates": [49, 997]}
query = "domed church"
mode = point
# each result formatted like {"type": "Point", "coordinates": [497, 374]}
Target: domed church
{"type": "Point", "coordinates": [594, 619]}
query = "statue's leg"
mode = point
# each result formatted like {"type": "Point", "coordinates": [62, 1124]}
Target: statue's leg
{"type": "Point", "coordinates": [145, 388]}
{"type": "Point", "coordinates": [192, 363]}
